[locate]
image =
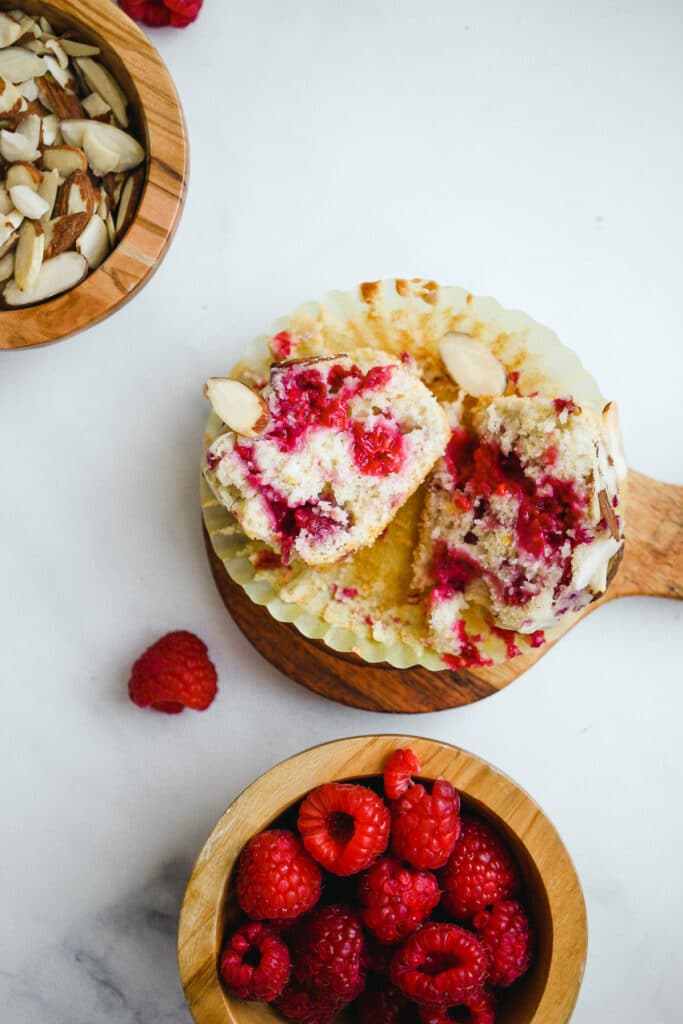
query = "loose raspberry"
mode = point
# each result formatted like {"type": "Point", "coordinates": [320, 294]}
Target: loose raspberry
{"type": "Point", "coordinates": [344, 827]}
{"type": "Point", "coordinates": [327, 952]}
{"type": "Point", "coordinates": [276, 878]}
{"type": "Point", "coordinates": [255, 964]}
{"type": "Point", "coordinates": [480, 872]}
{"type": "Point", "coordinates": [505, 934]}
{"type": "Point", "coordinates": [159, 13]}
{"type": "Point", "coordinates": [304, 1007]}
{"type": "Point", "coordinates": [382, 1003]}
{"type": "Point", "coordinates": [173, 674]}
{"type": "Point", "coordinates": [440, 964]}
{"type": "Point", "coordinates": [398, 772]}
{"type": "Point", "coordinates": [395, 900]}
{"type": "Point", "coordinates": [426, 825]}
{"type": "Point", "coordinates": [479, 1008]}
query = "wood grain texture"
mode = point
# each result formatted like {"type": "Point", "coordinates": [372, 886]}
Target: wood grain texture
{"type": "Point", "coordinates": [159, 121]}
{"type": "Point", "coordinates": [545, 996]}
{"type": "Point", "coordinates": [652, 566]}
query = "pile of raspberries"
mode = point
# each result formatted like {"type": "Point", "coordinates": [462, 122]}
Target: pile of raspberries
{"type": "Point", "coordinates": [409, 909]}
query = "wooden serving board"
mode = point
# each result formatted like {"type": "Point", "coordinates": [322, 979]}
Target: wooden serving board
{"type": "Point", "coordinates": [652, 566]}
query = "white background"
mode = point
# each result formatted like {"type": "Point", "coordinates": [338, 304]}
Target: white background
{"type": "Point", "coordinates": [529, 150]}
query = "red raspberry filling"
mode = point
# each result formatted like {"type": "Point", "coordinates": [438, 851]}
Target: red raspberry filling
{"type": "Point", "coordinates": [379, 451]}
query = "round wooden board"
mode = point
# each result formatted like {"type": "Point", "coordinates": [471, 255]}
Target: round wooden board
{"type": "Point", "coordinates": [342, 677]}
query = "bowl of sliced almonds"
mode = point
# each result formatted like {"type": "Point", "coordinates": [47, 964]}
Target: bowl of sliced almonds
{"type": "Point", "coordinates": [93, 166]}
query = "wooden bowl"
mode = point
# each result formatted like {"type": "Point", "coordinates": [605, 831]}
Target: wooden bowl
{"type": "Point", "coordinates": [548, 992]}
{"type": "Point", "coordinates": [157, 118]}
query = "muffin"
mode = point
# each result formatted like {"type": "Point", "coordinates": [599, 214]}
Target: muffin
{"type": "Point", "coordinates": [345, 442]}
{"type": "Point", "coordinates": [505, 381]}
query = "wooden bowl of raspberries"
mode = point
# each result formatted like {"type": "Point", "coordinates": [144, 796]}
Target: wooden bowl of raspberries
{"type": "Point", "coordinates": [93, 165]}
{"type": "Point", "coordinates": [383, 880]}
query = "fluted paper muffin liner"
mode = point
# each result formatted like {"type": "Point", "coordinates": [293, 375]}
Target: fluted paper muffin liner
{"type": "Point", "coordinates": [363, 604]}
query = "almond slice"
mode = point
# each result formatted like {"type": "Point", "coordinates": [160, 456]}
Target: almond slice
{"type": "Point", "coordinates": [128, 150]}
{"type": "Point", "coordinates": [28, 258]}
{"type": "Point", "coordinates": [28, 202]}
{"type": "Point", "coordinates": [51, 133]}
{"type": "Point", "coordinates": [56, 276]}
{"type": "Point", "coordinates": [10, 99]}
{"type": "Point", "coordinates": [65, 159]}
{"type": "Point", "coordinates": [95, 106]}
{"type": "Point", "coordinates": [6, 205]}
{"type": "Point", "coordinates": [45, 26]}
{"type": "Point", "coordinates": [8, 242]}
{"type": "Point", "coordinates": [10, 31]}
{"type": "Point", "coordinates": [49, 187]}
{"type": "Point", "coordinates": [58, 52]}
{"type": "Point", "coordinates": [61, 233]}
{"type": "Point", "coordinates": [101, 158]}
{"type": "Point", "coordinates": [18, 64]}
{"type": "Point", "coordinates": [240, 408]}
{"type": "Point", "coordinates": [6, 266]}
{"type": "Point", "coordinates": [76, 49]}
{"type": "Point", "coordinates": [23, 174]}
{"type": "Point", "coordinates": [94, 242]}
{"type": "Point", "coordinates": [472, 365]}
{"type": "Point", "coordinates": [57, 99]}
{"type": "Point", "coordinates": [76, 195]}
{"type": "Point", "coordinates": [111, 230]}
{"type": "Point", "coordinates": [16, 148]}
{"type": "Point", "coordinates": [130, 197]}
{"type": "Point", "coordinates": [101, 81]}
{"type": "Point", "coordinates": [62, 77]}
{"type": "Point", "coordinates": [29, 90]}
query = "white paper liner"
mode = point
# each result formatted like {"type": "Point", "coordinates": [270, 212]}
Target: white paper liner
{"type": "Point", "coordinates": [395, 316]}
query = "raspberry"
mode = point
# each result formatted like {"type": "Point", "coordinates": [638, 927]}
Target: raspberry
{"type": "Point", "coordinates": [395, 900]}
{"type": "Point", "coordinates": [382, 1003]}
{"type": "Point", "coordinates": [440, 964]}
{"type": "Point", "coordinates": [425, 825]}
{"type": "Point", "coordinates": [480, 872]}
{"type": "Point", "coordinates": [255, 964]}
{"type": "Point", "coordinates": [159, 13]}
{"type": "Point", "coordinates": [327, 952]}
{"type": "Point", "coordinates": [303, 1007]}
{"type": "Point", "coordinates": [172, 674]}
{"type": "Point", "coordinates": [344, 827]}
{"type": "Point", "coordinates": [379, 451]}
{"type": "Point", "coordinates": [276, 878]}
{"type": "Point", "coordinates": [479, 1008]}
{"type": "Point", "coordinates": [398, 771]}
{"type": "Point", "coordinates": [505, 934]}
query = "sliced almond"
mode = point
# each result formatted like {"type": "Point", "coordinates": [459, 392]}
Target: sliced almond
{"type": "Point", "coordinates": [10, 31]}
{"type": "Point", "coordinates": [28, 202]}
{"type": "Point", "coordinates": [114, 183]}
{"type": "Point", "coordinates": [111, 230]}
{"type": "Point", "coordinates": [65, 159]}
{"type": "Point", "coordinates": [95, 106]}
{"type": "Point", "coordinates": [10, 99]}
{"type": "Point", "coordinates": [101, 158]}
{"type": "Point", "coordinates": [101, 81]}
{"type": "Point", "coordinates": [58, 99]}
{"type": "Point", "coordinates": [6, 204]}
{"type": "Point", "coordinates": [9, 222]}
{"type": "Point", "coordinates": [129, 152]}
{"type": "Point", "coordinates": [29, 90]}
{"type": "Point", "coordinates": [63, 76]}
{"type": "Point", "coordinates": [28, 258]}
{"type": "Point", "coordinates": [55, 47]}
{"type": "Point", "coordinates": [61, 234]}
{"type": "Point", "coordinates": [56, 276]}
{"type": "Point", "coordinates": [51, 132]}
{"type": "Point", "coordinates": [45, 26]}
{"type": "Point", "coordinates": [6, 266]}
{"type": "Point", "coordinates": [240, 408]}
{"type": "Point", "coordinates": [29, 126]}
{"type": "Point", "coordinates": [94, 242]}
{"type": "Point", "coordinates": [8, 242]}
{"type": "Point", "coordinates": [18, 64]}
{"type": "Point", "coordinates": [472, 365]}
{"type": "Point", "coordinates": [23, 174]}
{"type": "Point", "coordinates": [76, 49]}
{"type": "Point", "coordinates": [76, 195]}
{"type": "Point", "coordinates": [130, 197]}
{"type": "Point", "coordinates": [49, 187]}
{"type": "Point", "coordinates": [34, 45]}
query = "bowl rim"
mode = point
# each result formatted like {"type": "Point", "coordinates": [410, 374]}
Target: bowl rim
{"type": "Point", "coordinates": [136, 257]}
{"type": "Point", "coordinates": [199, 930]}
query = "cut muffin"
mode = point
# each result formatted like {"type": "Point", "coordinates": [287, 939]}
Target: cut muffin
{"type": "Point", "coordinates": [521, 518]}
{"type": "Point", "coordinates": [345, 443]}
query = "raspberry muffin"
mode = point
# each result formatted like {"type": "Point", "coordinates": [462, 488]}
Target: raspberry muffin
{"type": "Point", "coordinates": [484, 558]}
{"type": "Point", "coordinates": [345, 442]}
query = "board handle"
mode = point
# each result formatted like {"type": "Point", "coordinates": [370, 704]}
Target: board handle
{"type": "Point", "coordinates": [653, 553]}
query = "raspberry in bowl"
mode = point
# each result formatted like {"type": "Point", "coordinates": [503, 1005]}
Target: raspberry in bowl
{"type": "Point", "coordinates": [306, 903]}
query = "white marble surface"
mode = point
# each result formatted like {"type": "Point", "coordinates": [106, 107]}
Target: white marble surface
{"type": "Point", "coordinates": [532, 151]}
